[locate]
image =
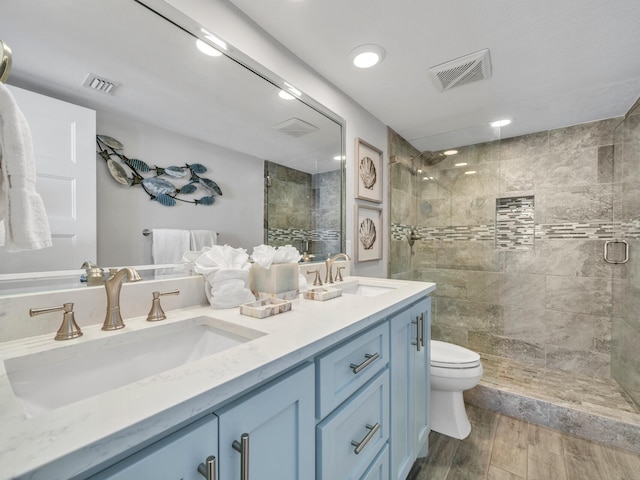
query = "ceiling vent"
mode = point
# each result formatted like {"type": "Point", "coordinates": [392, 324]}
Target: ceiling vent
{"type": "Point", "coordinates": [295, 127]}
{"type": "Point", "coordinates": [100, 84]}
{"type": "Point", "coordinates": [461, 71]}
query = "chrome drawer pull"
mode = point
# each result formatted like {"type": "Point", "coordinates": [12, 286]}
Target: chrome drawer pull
{"type": "Point", "coordinates": [369, 360]}
{"type": "Point", "coordinates": [242, 446]}
{"type": "Point", "coordinates": [422, 325]}
{"type": "Point", "coordinates": [208, 470]}
{"type": "Point", "coordinates": [373, 429]}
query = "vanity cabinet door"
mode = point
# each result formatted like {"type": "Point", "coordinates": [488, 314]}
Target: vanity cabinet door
{"type": "Point", "coordinates": [279, 422]}
{"type": "Point", "coordinates": [410, 385]}
{"type": "Point", "coordinates": [175, 456]}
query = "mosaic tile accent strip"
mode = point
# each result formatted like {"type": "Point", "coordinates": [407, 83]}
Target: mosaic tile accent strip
{"type": "Point", "coordinates": [479, 233]}
{"type": "Point", "coordinates": [515, 223]}
{"type": "Point", "coordinates": [296, 234]}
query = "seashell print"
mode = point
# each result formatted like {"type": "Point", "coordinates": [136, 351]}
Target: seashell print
{"type": "Point", "coordinates": [367, 172]}
{"type": "Point", "coordinates": [367, 233]}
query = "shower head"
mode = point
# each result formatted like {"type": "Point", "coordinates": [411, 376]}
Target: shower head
{"type": "Point", "coordinates": [429, 158]}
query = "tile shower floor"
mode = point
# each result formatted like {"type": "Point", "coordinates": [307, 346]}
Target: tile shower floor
{"type": "Point", "coordinates": [592, 408]}
{"type": "Point", "coordinates": [504, 448]}
{"type": "Point", "coordinates": [593, 395]}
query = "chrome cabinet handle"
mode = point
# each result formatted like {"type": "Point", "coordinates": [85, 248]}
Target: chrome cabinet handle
{"type": "Point", "coordinates": [208, 469]}
{"type": "Point", "coordinates": [242, 446]}
{"type": "Point", "coordinates": [422, 326]}
{"type": "Point", "coordinates": [418, 341]}
{"type": "Point", "coordinates": [369, 360]}
{"type": "Point", "coordinates": [373, 429]}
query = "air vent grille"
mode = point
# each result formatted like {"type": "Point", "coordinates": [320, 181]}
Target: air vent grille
{"type": "Point", "coordinates": [100, 84]}
{"type": "Point", "coordinates": [462, 71]}
{"type": "Point", "coordinates": [295, 127]}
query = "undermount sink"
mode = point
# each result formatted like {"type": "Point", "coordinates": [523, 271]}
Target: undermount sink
{"type": "Point", "coordinates": [54, 378]}
{"type": "Point", "coordinates": [366, 289]}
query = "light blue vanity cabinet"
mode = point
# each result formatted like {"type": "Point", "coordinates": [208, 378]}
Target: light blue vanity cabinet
{"type": "Point", "coordinates": [410, 385]}
{"type": "Point", "coordinates": [278, 420]}
{"type": "Point", "coordinates": [176, 456]}
{"type": "Point", "coordinates": [353, 406]}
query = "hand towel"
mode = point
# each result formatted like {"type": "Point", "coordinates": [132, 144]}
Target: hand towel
{"type": "Point", "coordinates": [23, 218]}
{"type": "Point", "coordinates": [169, 245]}
{"type": "Point", "coordinates": [202, 238]}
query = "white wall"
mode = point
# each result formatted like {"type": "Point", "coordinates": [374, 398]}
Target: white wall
{"type": "Point", "coordinates": [126, 211]}
{"type": "Point", "coordinates": [225, 21]}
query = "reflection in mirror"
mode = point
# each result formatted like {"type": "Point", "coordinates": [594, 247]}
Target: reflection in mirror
{"type": "Point", "coordinates": [172, 105]}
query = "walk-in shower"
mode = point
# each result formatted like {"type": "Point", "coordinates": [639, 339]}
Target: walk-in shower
{"type": "Point", "coordinates": [542, 306]}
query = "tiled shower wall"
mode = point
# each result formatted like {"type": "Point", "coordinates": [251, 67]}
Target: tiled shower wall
{"type": "Point", "coordinates": [303, 210]}
{"type": "Point", "coordinates": [625, 361]}
{"type": "Point", "coordinates": [551, 304]}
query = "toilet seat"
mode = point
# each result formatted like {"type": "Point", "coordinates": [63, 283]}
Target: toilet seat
{"type": "Point", "coordinates": [448, 355]}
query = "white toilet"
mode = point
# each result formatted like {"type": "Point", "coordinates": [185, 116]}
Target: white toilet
{"type": "Point", "coordinates": [453, 370]}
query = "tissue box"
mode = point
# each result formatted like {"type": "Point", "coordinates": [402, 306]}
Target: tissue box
{"type": "Point", "coordinates": [280, 281]}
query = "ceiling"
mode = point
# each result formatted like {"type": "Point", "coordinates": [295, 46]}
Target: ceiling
{"type": "Point", "coordinates": [554, 62]}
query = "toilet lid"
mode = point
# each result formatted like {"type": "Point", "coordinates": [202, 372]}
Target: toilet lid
{"type": "Point", "coordinates": [448, 355]}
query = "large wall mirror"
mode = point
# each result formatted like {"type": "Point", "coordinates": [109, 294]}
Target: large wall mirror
{"type": "Point", "coordinates": [276, 153]}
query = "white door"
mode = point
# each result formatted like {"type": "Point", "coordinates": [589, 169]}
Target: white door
{"type": "Point", "coordinates": [64, 147]}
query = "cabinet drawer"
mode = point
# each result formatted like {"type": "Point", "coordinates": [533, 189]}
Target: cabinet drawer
{"type": "Point", "coordinates": [176, 456]}
{"type": "Point", "coordinates": [379, 469]}
{"type": "Point", "coordinates": [337, 375]}
{"type": "Point", "coordinates": [363, 420]}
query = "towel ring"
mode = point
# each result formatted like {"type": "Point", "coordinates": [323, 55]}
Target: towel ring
{"type": "Point", "coordinates": [5, 61]}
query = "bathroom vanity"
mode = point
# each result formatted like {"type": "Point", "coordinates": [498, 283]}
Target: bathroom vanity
{"type": "Point", "coordinates": [331, 389]}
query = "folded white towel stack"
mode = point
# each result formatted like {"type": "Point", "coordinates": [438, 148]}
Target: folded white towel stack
{"type": "Point", "coordinates": [23, 219]}
{"type": "Point", "coordinates": [169, 245]}
{"type": "Point", "coordinates": [202, 238]}
{"type": "Point", "coordinates": [226, 272]}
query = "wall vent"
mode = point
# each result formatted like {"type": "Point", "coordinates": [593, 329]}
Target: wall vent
{"type": "Point", "coordinates": [295, 127]}
{"type": "Point", "coordinates": [100, 84]}
{"type": "Point", "coordinates": [462, 71]}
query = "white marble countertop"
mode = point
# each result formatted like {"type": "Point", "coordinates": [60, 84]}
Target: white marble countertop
{"type": "Point", "coordinates": [76, 438]}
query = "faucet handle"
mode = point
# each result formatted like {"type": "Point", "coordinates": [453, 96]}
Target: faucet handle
{"type": "Point", "coordinates": [156, 313]}
{"type": "Point", "coordinates": [69, 328]}
{"type": "Point", "coordinates": [316, 281]}
{"type": "Point", "coordinates": [339, 273]}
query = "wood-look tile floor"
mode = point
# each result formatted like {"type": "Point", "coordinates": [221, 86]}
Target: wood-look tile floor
{"type": "Point", "coordinates": [504, 448]}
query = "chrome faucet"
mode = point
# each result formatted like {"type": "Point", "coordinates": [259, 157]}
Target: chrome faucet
{"type": "Point", "coordinates": [329, 264]}
{"type": "Point", "coordinates": [113, 320]}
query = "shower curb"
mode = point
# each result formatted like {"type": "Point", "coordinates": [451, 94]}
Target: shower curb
{"type": "Point", "coordinates": [556, 415]}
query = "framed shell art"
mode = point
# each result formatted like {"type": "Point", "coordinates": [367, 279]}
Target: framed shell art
{"type": "Point", "coordinates": [368, 170]}
{"type": "Point", "coordinates": [368, 233]}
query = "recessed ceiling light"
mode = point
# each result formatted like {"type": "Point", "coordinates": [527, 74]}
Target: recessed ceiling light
{"type": "Point", "coordinates": [207, 49]}
{"type": "Point", "coordinates": [366, 56]}
{"type": "Point", "coordinates": [470, 172]}
{"type": "Point", "coordinates": [215, 40]}
{"type": "Point", "coordinates": [500, 123]}
{"type": "Point", "coordinates": [463, 164]}
{"type": "Point", "coordinates": [285, 95]}
{"type": "Point", "coordinates": [450, 152]}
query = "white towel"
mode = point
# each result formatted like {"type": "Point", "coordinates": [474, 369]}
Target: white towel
{"type": "Point", "coordinates": [169, 245]}
{"type": "Point", "coordinates": [202, 238]}
{"type": "Point", "coordinates": [23, 219]}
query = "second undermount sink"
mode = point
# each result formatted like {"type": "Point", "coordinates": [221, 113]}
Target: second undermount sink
{"type": "Point", "coordinates": [54, 378]}
{"type": "Point", "coordinates": [367, 288]}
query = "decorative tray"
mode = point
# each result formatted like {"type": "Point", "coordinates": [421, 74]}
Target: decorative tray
{"type": "Point", "coordinates": [265, 308]}
{"type": "Point", "coordinates": [322, 293]}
